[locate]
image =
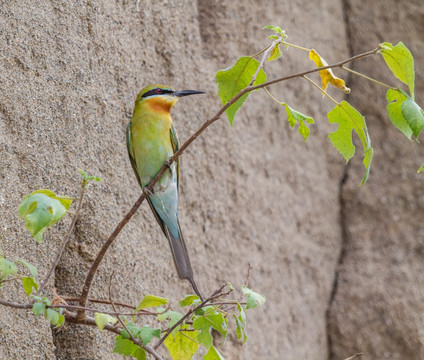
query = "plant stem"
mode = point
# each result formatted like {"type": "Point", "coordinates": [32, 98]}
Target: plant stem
{"type": "Point", "coordinates": [65, 240]}
{"type": "Point", "coordinates": [296, 46]}
{"type": "Point", "coordinates": [264, 57]}
{"type": "Point", "coordinates": [320, 89]}
{"type": "Point", "coordinates": [216, 294]}
{"type": "Point", "coordinates": [368, 78]}
{"type": "Point", "coordinates": [95, 265]}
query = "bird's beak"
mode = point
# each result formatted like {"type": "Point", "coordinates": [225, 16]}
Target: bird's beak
{"type": "Point", "coordinates": [182, 93]}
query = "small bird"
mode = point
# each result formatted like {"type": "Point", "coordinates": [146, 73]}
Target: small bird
{"type": "Point", "coordinates": [151, 141]}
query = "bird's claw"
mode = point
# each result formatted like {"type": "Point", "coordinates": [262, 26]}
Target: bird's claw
{"type": "Point", "coordinates": [168, 164]}
{"type": "Point", "coordinates": [148, 192]}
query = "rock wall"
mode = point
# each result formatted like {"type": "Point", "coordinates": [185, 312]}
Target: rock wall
{"type": "Point", "coordinates": [254, 193]}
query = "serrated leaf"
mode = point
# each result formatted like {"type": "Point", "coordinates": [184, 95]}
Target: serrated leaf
{"type": "Point", "coordinates": [173, 318]}
{"type": "Point", "coordinates": [275, 53]}
{"type": "Point", "coordinates": [401, 62]}
{"type": "Point", "coordinates": [395, 99]}
{"type": "Point", "coordinates": [349, 119]}
{"type": "Point", "coordinates": [231, 80]}
{"type": "Point", "coordinates": [182, 346]}
{"type": "Point", "coordinates": [189, 300]}
{"type": "Point", "coordinates": [240, 323]}
{"type": "Point", "coordinates": [413, 115]}
{"type": "Point", "coordinates": [151, 301]}
{"type": "Point", "coordinates": [38, 308]}
{"type": "Point", "coordinates": [147, 333]}
{"type": "Point", "coordinates": [213, 354]}
{"type": "Point", "coordinates": [126, 347]}
{"type": "Point", "coordinates": [41, 209]}
{"type": "Point", "coordinates": [29, 283]}
{"type": "Point", "coordinates": [32, 269]}
{"type": "Point", "coordinates": [207, 321]}
{"type": "Point", "coordinates": [144, 333]}
{"type": "Point", "coordinates": [327, 75]}
{"type": "Point", "coordinates": [52, 315]}
{"type": "Point", "coordinates": [253, 299]}
{"type": "Point", "coordinates": [103, 319]}
{"type": "Point", "coordinates": [294, 117]}
{"type": "Point", "coordinates": [7, 268]}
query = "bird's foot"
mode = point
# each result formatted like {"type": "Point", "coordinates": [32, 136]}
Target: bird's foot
{"type": "Point", "coordinates": [148, 192]}
{"type": "Point", "coordinates": [168, 164]}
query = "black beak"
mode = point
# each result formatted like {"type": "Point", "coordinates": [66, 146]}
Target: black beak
{"type": "Point", "coordinates": [182, 93]}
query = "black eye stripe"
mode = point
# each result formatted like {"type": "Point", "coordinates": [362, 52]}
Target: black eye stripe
{"type": "Point", "coordinates": [155, 92]}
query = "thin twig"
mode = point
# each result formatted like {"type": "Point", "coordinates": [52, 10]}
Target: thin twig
{"type": "Point", "coordinates": [217, 293]}
{"type": "Point", "coordinates": [133, 339]}
{"type": "Point", "coordinates": [264, 57]}
{"type": "Point", "coordinates": [354, 356]}
{"type": "Point", "coordinates": [95, 265]}
{"type": "Point", "coordinates": [65, 240]}
{"type": "Point", "coordinates": [368, 78]}
{"type": "Point", "coordinates": [100, 301]}
{"type": "Point", "coordinates": [322, 91]}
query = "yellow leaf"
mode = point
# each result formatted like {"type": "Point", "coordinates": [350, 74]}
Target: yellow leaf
{"type": "Point", "coordinates": [327, 75]}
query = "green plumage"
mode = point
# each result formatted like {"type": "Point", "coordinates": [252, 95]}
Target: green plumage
{"type": "Point", "coordinates": [151, 141]}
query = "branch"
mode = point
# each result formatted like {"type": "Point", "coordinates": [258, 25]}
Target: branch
{"type": "Point", "coordinates": [264, 56]}
{"type": "Point", "coordinates": [73, 319]}
{"type": "Point", "coordinates": [90, 276]}
{"type": "Point", "coordinates": [64, 242]}
{"type": "Point", "coordinates": [217, 293]}
{"type": "Point", "coordinates": [100, 301]}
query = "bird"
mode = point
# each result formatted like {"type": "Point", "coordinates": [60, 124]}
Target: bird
{"type": "Point", "coordinates": [151, 141]}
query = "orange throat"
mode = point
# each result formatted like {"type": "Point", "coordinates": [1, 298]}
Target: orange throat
{"type": "Point", "coordinates": [159, 104]}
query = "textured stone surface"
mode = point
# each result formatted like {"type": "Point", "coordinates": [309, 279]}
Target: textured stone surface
{"type": "Point", "coordinates": [379, 301]}
{"type": "Point", "coordinates": [252, 193]}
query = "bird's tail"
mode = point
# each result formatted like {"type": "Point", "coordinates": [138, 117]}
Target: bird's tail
{"type": "Point", "coordinates": [181, 258]}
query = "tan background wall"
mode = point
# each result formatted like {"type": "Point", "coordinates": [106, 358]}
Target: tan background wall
{"type": "Point", "coordinates": [252, 193]}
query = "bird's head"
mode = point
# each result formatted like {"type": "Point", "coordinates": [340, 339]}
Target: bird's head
{"type": "Point", "coordinates": [162, 97]}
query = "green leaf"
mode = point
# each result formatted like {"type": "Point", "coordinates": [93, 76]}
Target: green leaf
{"type": "Point", "coordinates": [151, 301]}
{"type": "Point", "coordinates": [349, 119]}
{"type": "Point", "coordinates": [210, 320]}
{"type": "Point", "coordinates": [189, 300]}
{"type": "Point", "coordinates": [276, 29]}
{"type": "Point", "coordinates": [60, 322]}
{"type": "Point", "coordinates": [395, 100]}
{"type": "Point", "coordinates": [103, 319]}
{"type": "Point", "coordinates": [413, 115]}
{"type": "Point", "coordinates": [234, 79]}
{"type": "Point", "coordinates": [173, 317]}
{"type": "Point", "coordinates": [213, 354]}
{"type": "Point", "coordinates": [295, 117]}
{"type": "Point", "coordinates": [41, 209]}
{"type": "Point", "coordinates": [182, 347]}
{"type": "Point", "coordinates": [401, 62]}
{"type": "Point", "coordinates": [420, 169]}
{"type": "Point", "coordinates": [7, 268]}
{"type": "Point", "coordinates": [126, 347]}
{"type": "Point", "coordinates": [38, 308]}
{"type": "Point", "coordinates": [29, 283]}
{"type": "Point", "coordinates": [253, 299]}
{"type": "Point", "coordinates": [275, 53]}
{"type": "Point", "coordinates": [52, 315]}
{"type": "Point", "coordinates": [240, 323]}
{"type": "Point", "coordinates": [32, 269]}
{"type": "Point", "coordinates": [144, 333]}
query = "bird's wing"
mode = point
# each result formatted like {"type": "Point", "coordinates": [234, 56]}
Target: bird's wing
{"type": "Point", "coordinates": [175, 147]}
{"type": "Point", "coordinates": [131, 153]}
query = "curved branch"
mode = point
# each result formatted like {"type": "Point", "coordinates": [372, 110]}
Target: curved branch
{"type": "Point", "coordinates": [90, 275]}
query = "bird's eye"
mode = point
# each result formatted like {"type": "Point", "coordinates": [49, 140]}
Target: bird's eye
{"type": "Point", "coordinates": [158, 91]}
